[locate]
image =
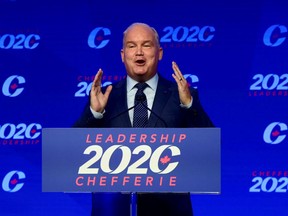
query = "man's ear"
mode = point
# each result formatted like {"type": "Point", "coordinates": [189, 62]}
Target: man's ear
{"type": "Point", "coordinates": [160, 53]}
{"type": "Point", "coordinates": [122, 55]}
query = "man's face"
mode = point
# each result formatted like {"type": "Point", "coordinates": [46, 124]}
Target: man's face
{"type": "Point", "coordinates": [141, 53]}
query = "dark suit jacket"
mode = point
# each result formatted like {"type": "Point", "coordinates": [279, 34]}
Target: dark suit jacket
{"type": "Point", "coordinates": [166, 110]}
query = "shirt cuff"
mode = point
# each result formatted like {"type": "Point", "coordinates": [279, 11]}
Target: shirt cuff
{"type": "Point", "coordinates": [97, 115]}
{"type": "Point", "coordinates": [188, 105]}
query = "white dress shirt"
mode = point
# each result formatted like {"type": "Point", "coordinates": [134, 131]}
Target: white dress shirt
{"type": "Point", "coordinates": [150, 92]}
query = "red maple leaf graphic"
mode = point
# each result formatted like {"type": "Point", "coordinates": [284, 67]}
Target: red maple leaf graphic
{"type": "Point", "coordinates": [165, 159]}
{"type": "Point", "coordinates": [99, 38]}
{"type": "Point", "coordinates": [32, 42]}
{"type": "Point", "coordinates": [275, 133]}
{"type": "Point", "coordinates": [13, 181]}
{"type": "Point", "coordinates": [14, 86]}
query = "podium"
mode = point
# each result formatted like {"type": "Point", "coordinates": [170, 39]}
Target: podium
{"type": "Point", "coordinates": [131, 160]}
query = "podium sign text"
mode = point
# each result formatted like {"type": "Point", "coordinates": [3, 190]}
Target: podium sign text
{"type": "Point", "coordinates": [131, 160]}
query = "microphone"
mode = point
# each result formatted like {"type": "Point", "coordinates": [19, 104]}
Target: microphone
{"type": "Point", "coordinates": [121, 113]}
{"type": "Point", "coordinates": [140, 99]}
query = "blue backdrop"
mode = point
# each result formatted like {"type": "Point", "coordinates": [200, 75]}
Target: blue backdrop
{"type": "Point", "coordinates": [234, 53]}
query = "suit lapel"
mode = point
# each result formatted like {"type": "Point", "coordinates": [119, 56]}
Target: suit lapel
{"type": "Point", "coordinates": [119, 91]}
{"type": "Point", "coordinates": [162, 96]}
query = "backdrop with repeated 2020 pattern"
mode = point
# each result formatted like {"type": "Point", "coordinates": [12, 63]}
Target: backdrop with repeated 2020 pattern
{"type": "Point", "coordinates": [234, 53]}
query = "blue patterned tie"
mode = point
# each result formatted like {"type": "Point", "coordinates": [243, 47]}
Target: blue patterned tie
{"type": "Point", "coordinates": [140, 118]}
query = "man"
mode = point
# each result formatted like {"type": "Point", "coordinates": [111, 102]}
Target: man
{"type": "Point", "coordinates": [169, 104]}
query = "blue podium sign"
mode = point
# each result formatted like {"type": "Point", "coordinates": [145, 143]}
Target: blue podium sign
{"type": "Point", "coordinates": [131, 160]}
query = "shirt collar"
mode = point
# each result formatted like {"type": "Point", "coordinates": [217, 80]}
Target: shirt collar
{"type": "Point", "coordinates": [151, 82]}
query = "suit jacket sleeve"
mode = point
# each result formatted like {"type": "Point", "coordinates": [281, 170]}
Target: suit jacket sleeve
{"type": "Point", "coordinates": [87, 119]}
{"type": "Point", "coordinates": [197, 115]}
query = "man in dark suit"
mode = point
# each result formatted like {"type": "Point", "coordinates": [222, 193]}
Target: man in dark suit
{"type": "Point", "coordinates": [169, 104]}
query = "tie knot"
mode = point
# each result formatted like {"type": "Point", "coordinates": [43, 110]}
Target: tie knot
{"type": "Point", "coordinates": [141, 86]}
